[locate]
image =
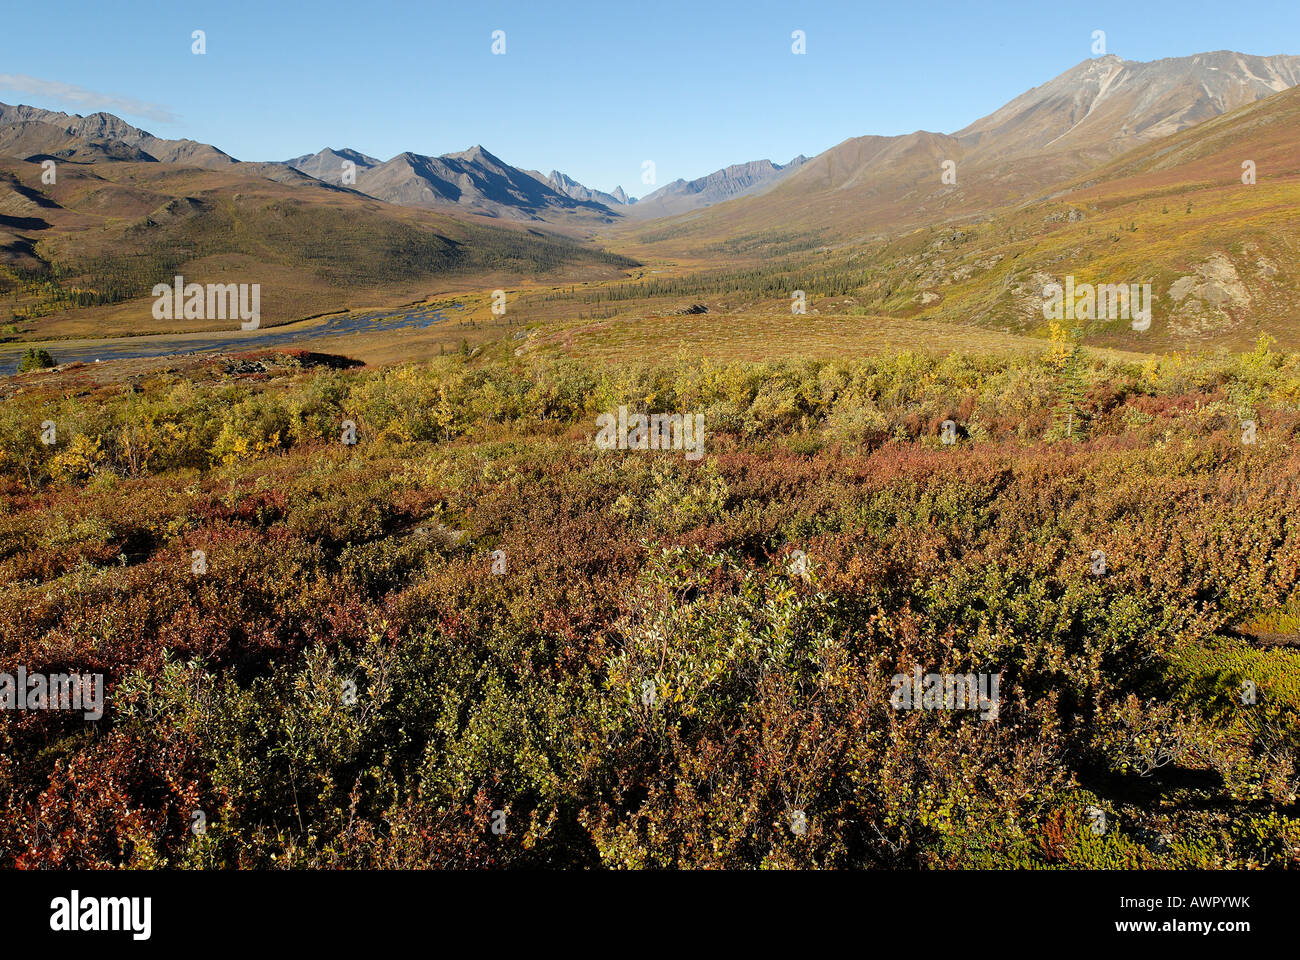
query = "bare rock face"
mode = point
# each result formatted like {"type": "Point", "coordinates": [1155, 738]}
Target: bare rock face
{"type": "Point", "coordinates": [1212, 298]}
{"type": "Point", "coordinates": [1028, 295]}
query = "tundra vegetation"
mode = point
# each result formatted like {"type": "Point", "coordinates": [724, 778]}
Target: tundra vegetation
{"type": "Point", "coordinates": [350, 678]}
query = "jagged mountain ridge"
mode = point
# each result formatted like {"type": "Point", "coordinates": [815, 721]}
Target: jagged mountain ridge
{"type": "Point", "coordinates": [474, 180]}
{"type": "Point", "coordinates": [566, 185]}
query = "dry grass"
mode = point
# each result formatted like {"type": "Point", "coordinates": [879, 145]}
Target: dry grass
{"type": "Point", "coordinates": [768, 336]}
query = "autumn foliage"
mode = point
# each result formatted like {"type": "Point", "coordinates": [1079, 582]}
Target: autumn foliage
{"type": "Point", "coordinates": [348, 683]}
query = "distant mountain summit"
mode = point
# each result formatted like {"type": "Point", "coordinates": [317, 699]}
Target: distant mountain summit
{"type": "Point", "coordinates": [738, 180]}
{"type": "Point", "coordinates": [472, 180]}
{"type": "Point", "coordinates": [478, 182]}
{"type": "Point", "coordinates": [329, 165]}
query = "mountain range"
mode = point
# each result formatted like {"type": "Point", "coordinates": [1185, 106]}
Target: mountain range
{"type": "Point", "coordinates": [1133, 165]}
{"type": "Point", "coordinates": [472, 181]}
{"type": "Point", "coordinates": [1094, 110]}
{"type": "Point", "coordinates": [478, 182]}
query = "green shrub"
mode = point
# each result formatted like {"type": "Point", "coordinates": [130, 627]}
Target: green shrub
{"type": "Point", "coordinates": [35, 359]}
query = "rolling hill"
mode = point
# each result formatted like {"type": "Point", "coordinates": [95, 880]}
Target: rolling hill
{"type": "Point", "coordinates": [80, 257]}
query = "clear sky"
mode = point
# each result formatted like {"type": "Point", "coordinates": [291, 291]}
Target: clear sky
{"type": "Point", "coordinates": [589, 88]}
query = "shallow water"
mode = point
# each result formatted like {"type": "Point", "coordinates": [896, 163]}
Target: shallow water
{"type": "Point", "coordinates": [127, 348]}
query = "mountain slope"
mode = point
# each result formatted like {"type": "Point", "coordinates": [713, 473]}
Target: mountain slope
{"type": "Point", "coordinates": [1108, 105]}
{"type": "Point", "coordinates": [472, 181]}
{"type": "Point", "coordinates": [738, 180]}
{"type": "Point", "coordinates": [1219, 254]}
{"type": "Point", "coordinates": [31, 138]}
{"type": "Point", "coordinates": [873, 186]}
{"type": "Point", "coordinates": [100, 127]}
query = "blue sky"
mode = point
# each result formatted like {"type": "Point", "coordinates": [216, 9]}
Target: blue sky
{"type": "Point", "coordinates": [589, 88]}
